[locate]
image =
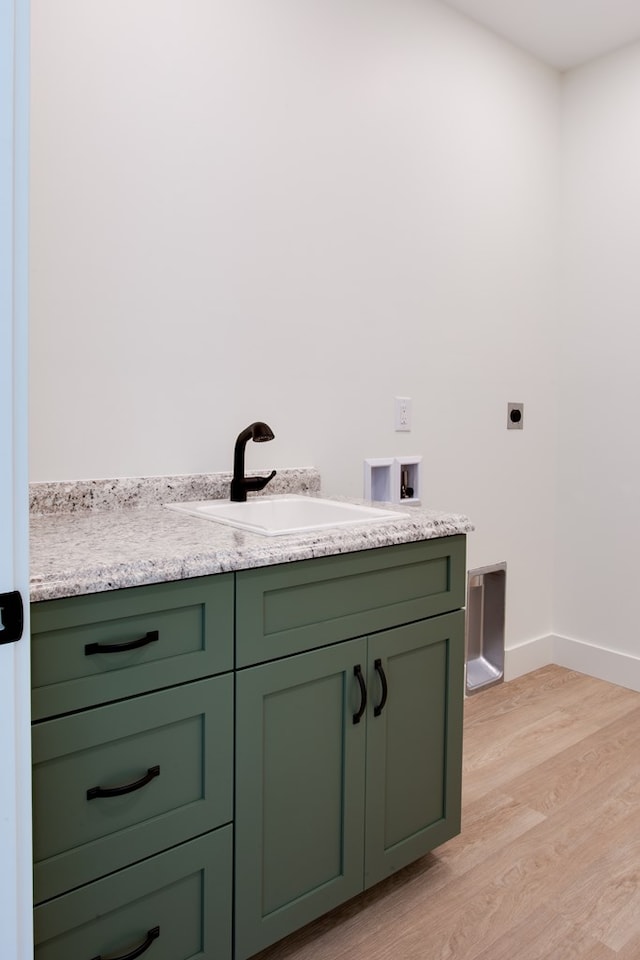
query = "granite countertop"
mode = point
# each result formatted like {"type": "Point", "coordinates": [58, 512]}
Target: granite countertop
{"type": "Point", "coordinates": [95, 536]}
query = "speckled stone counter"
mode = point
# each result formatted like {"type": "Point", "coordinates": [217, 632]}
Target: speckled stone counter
{"type": "Point", "coordinates": [84, 539]}
{"type": "Point", "coordinates": [80, 496]}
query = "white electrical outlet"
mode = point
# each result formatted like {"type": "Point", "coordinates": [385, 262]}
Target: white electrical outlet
{"type": "Point", "coordinates": [403, 413]}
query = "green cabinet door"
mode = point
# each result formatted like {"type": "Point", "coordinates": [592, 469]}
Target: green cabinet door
{"type": "Point", "coordinates": [299, 791]}
{"type": "Point", "coordinates": [414, 743]}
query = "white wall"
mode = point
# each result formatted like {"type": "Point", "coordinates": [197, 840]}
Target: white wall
{"type": "Point", "coordinates": [293, 212]}
{"type": "Point", "coordinates": [599, 452]}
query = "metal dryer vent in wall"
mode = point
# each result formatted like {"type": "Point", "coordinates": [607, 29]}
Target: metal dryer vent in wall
{"type": "Point", "coordinates": [486, 596]}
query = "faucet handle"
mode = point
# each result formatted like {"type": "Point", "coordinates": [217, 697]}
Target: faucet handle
{"type": "Point", "coordinates": [258, 483]}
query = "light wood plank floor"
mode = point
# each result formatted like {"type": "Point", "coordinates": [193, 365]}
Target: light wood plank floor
{"type": "Point", "coordinates": [548, 862]}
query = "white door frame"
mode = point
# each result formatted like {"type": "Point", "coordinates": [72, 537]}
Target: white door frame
{"type": "Point", "coordinates": [16, 936]}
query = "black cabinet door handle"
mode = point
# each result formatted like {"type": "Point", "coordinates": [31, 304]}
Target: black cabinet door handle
{"type": "Point", "coordinates": [152, 935]}
{"type": "Point", "coordinates": [150, 637]}
{"type": "Point", "coordinates": [96, 792]}
{"type": "Point", "coordinates": [377, 666]}
{"type": "Point", "coordinates": [357, 672]}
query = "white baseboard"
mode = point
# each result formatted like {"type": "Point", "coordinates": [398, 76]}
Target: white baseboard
{"type": "Point", "coordinates": [611, 665]}
{"type": "Point", "coordinates": [528, 656]}
{"type": "Point", "coordinates": [595, 661]}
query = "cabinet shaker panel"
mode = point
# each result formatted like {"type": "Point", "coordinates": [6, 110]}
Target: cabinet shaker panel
{"type": "Point", "coordinates": [414, 744]}
{"type": "Point", "coordinates": [123, 781]}
{"type": "Point", "coordinates": [107, 646]}
{"type": "Point", "coordinates": [284, 609]}
{"type": "Point", "coordinates": [178, 902]}
{"type": "Point", "coordinates": [299, 792]}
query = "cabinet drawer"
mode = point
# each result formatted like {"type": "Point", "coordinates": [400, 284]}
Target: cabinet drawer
{"type": "Point", "coordinates": [185, 892]}
{"type": "Point", "coordinates": [186, 732]}
{"type": "Point", "coordinates": [186, 629]}
{"type": "Point", "coordinates": [297, 606]}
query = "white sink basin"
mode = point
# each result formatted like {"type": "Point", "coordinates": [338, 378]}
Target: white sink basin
{"type": "Point", "coordinates": [286, 514]}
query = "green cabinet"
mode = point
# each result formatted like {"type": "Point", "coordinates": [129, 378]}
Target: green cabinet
{"type": "Point", "coordinates": [133, 713]}
{"type": "Point", "coordinates": [332, 687]}
{"type": "Point", "coordinates": [348, 756]}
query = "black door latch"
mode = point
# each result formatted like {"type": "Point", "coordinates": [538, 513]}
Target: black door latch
{"type": "Point", "coordinates": [11, 617]}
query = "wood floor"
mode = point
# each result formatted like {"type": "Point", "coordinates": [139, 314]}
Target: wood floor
{"type": "Point", "coordinates": [548, 862]}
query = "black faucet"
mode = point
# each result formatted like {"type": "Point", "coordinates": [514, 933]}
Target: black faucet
{"type": "Point", "coordinates": [240, 484]}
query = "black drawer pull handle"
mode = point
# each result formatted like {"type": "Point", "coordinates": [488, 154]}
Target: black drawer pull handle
{"type": "Point", "coordinates": [95, 792]}
{"type": "Point", "coordinates": [357, 672]}
{"type": "Point", "coordinates": [377, 666]}
{"type": "Point", "coordinates": [152, 935]}
{"type": "Point", "coordinates": [150, 637]}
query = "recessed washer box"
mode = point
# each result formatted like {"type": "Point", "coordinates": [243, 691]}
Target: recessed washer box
{"type": "Point", "coordinates": [486, 596]}
{"type": "Point", "coordinates": [393, 480]}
